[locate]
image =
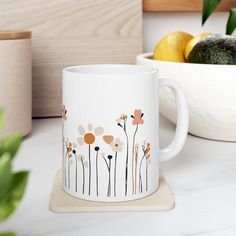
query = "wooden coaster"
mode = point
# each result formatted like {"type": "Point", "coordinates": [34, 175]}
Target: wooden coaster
{"type": "Point", "coordinates": [62, 202]}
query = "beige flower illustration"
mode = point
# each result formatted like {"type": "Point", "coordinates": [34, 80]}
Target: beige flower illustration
{"type": "Point", "coordinates": [122, 117]}
{"type": "Point", "coordinates": [116, 145]}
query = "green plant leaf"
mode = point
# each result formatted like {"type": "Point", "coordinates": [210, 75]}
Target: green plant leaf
{"type": "Point", "coordinates": [11, 144]}
{"type": "Point", "coordinates": [5, 174]}
{"type": "Point", "coordinates": [8, 234]}
{"type": "Point", "coordinates": [231, 23]}
{"type": "Point", "coordinates": [208, 7]}
{"type": "Point", "coordinates": [1, 119]}
{"type": "Point", "coordinates": [12, 198]}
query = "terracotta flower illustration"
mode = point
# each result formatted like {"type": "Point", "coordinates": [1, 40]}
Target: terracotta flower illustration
{"type": "Point", "coordinates": [137, 117]}
{"type": "Point", "coordinates": [88, 137]}
{"type": "Point", "coordinates": [108, 138]}
{"type": "Point", "coordinates": [64, 112]}
{"type": "Point", "coordinates": [137, 120]}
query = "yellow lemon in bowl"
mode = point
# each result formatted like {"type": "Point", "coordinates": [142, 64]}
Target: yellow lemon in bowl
{"type": "Point", "coordinates": [191, 43]}
{"type": "Point", "coordinates": [172, 47]}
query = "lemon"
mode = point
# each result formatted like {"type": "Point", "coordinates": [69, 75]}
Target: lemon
{"type": "Point", "coordinates": [172, 47]}
{"type": "Point", "coordinates": [194, 41]}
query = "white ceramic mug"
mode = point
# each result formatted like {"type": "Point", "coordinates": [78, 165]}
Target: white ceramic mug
{"type": "Point", "coordinates": [110, 131]}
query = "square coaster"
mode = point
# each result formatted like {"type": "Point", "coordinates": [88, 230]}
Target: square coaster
{"type": "Point", "coordinates": [61, 202]}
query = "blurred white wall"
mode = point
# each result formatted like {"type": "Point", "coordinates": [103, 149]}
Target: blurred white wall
{"type": "Point", "coordinates": [156, 25]}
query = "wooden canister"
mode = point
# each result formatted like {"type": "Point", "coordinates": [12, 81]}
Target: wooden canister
{"type": "Point", "coordinates": [16, 82]}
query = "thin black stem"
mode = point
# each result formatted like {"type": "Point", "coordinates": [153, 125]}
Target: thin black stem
{"type": "Point", "coordinates": [76, 174]}
{"type": "Point", "coordinates": [65, 170]}
{"type": "Point", "coordinates": [69, 174]}
{"type": "Point", "coordinates": [135, 170]}
{"type": "Point", "coordinates": [140, 175]}
{"type": "Point", "coordinates": [133, 162]}
{"type": "Point", "coordinates": [127, 156]}
{"type": "Point", "coordinates": [115, 175]}
{"type": "Point", "coordinates": [106, 162]}
{"type": "Point", "coordinates": [127, 159]}
{"type": "Point", "coordinates": [109, 181]}
{"type": "Point", "coordinates": [146, 174]}
{"type": "Point", "coordinates": [64, 159]}
{"type": "Point", "coordinates": [89, 162]}
{"type": "Point", "coordinates": [83, 175]}
{"type": "Point", "coordinates": [97, 171]}
{"type": "Point", "coordinates": [140, 184]}
{"type": "Point", "coordinates": [108, 168]}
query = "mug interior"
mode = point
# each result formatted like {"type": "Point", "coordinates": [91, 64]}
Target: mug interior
{"type": "Point", "coordinates": [110, 69]}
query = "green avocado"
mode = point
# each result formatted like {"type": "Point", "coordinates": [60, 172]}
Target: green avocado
{"type": "Point", "coordinates": [217, 49]}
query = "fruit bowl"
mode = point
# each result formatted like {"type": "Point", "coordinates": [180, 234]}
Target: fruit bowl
{"type": "Point", "coordinates": [211, 95]}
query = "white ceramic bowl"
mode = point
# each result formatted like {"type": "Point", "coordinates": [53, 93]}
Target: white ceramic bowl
{"type": "Point", "coordinates": [210, 91]}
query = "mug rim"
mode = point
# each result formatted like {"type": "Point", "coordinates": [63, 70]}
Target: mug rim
{"type": "Point", "coordinates": [102, 70]}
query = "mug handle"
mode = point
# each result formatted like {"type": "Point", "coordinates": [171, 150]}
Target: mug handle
{"type": "Point", "coordinates": [182, 120]}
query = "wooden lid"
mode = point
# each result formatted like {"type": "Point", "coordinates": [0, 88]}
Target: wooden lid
{"type": "Point", "coordinates": [8, 35]}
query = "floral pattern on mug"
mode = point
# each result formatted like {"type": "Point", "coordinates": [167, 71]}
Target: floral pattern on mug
{"type": "Point", "coordinates": [119, 149]}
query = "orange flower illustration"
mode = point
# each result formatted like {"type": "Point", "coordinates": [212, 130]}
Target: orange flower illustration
{"type": "Point", "coordinates": [137, 117]}
{"type": "Point", "coordinates": [88, 137]}
{"type": "Point", "coordinates": [64, 112]}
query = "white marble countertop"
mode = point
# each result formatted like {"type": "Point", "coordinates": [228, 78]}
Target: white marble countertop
{"type": "Point", "coordinates": [202, 178]}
